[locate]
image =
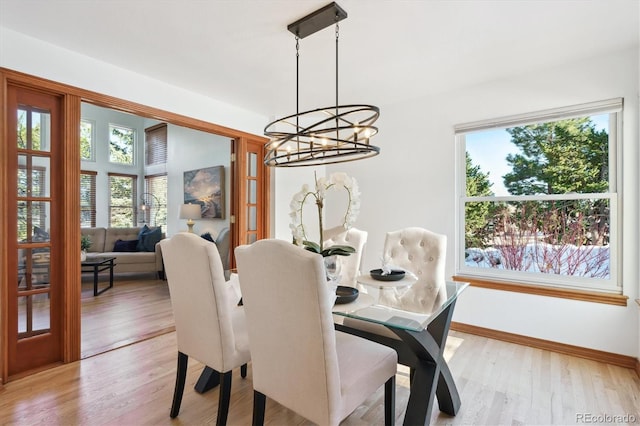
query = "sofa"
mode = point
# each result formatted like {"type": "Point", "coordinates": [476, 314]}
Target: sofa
{"type": "Point", "coordinates": [104, 241]}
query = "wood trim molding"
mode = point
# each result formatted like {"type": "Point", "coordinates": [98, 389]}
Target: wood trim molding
{"type": "Point", "coordinates": [4, 256]}
{"type": "Point", "coordinates": [111, 102]}
{"type": "Point", "coordinates": [563, 293]}
{"type": "Point", "coordinates": [638, 302]}
{"type": "Point", "coordinates": [72, 313]}
{"type": "Point", "coordinates": [592, 354]}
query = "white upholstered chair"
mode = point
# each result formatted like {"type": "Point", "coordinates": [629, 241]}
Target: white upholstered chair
{"type": "Point", "coordinates": [210, 327]}
{"type": "Point", "coordinates": [423, 253]}
{"type": "Point", "coordinates": [349, 265]}
{"type": "Point", "coordinates": [298, 359]}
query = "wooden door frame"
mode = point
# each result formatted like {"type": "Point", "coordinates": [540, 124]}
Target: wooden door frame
{"type": "Point", "coordinates": [72, 100]}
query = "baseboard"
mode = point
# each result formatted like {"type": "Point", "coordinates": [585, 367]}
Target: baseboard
{"type": "Point", "coordinates": [592, 354]}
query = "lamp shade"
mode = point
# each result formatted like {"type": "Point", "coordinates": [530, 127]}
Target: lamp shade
{"type": "Point", "coordinates": [190, 211]}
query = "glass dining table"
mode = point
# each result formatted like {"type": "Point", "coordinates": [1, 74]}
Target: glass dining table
{"type": "Point", "coordinates": [419, 339]}
{"type": "Point", "coordinates": [420, 342]}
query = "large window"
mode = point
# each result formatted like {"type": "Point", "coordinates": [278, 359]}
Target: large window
{"type": "Point", "coordinates": [122, 200]}
{"type": "Point", "coordinates": [538, 198]}
{"type": "Point", "coordinates": [122, 142]}
{"type": "Point", "coordinates": [87, 199]}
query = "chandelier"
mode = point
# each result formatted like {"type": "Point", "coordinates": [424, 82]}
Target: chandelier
{"type": "Point", "coordinates": [327, 135]}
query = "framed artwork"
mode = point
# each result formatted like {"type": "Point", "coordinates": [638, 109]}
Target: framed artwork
{"type": "Point", "coordinates": [206, 187]}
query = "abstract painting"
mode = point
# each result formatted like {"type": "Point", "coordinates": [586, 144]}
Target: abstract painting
{"type": "Point", "coordinates": [206, 187]}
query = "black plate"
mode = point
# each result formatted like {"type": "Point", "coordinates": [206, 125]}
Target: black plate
{"type": "Point", "coordinates": [346, 294]}
{"type": "Point", "coordinates": [395, 275]}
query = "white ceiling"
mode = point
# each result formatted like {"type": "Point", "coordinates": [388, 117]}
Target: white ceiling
{"type": "Point", "coordinates": [239, 51]}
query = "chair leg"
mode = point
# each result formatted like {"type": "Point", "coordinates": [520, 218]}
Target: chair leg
{"type": "Point", "coordinates": [390, 401]}
{"type": "Point", "coordinates": [225, 397]}
{"type": "Point", "coordinates": [259, 402]}
{"type": "Point", "coordinates": [243, 370]}
{"type": "Point", "coordinates": [181, 376]}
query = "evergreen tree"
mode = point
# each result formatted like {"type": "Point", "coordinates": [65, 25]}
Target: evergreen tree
{"type": "Point", "coordinates": [476, 213]}
{"type": "Point", "coordinates": [567, 156]}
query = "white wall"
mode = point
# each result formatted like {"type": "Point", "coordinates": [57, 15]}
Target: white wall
{"type": "Point", "coordinates": [412, 183]}
{"type": "Point", "coordinates": [190, 149]}
{"type": "Point", "coordinates": [42, 59]}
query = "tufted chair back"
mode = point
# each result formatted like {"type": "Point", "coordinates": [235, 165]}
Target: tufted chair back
{"type": "Point", "coordinates": [349, 265]}
{"type": "Point", "coordinates": [423, 253]}
{"type": "Point", "coordinates": [298, 358]}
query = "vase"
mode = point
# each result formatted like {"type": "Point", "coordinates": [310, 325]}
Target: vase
{"type": "Point", "coordinates": [332, 268]}
{"type": "Point", "coordinates": [83, 255]}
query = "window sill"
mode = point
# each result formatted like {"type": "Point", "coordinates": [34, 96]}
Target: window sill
{"type": "Point", "coordinates": [563, 293]}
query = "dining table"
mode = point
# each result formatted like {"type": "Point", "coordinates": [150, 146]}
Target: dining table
{"type": "Point", "coordinates": [420, 343]}
{"type": "Point", "coordinates": [420, 340]}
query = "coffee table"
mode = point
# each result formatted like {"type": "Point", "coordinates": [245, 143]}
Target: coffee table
{"type": "Point", "coordinates": [97, 265]}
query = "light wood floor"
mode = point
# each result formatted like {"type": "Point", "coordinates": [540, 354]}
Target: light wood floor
{"type": "Point", "coordinates": [136, 308]}
{"type": "Point", "coordinates": [499, 383]}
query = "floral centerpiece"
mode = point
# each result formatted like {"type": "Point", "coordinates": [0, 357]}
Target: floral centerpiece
{"type": "Point", "coordinates": [322, 185]}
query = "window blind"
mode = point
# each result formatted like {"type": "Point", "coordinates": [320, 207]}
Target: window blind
{"type": "Point", "coordinates": [155, 146]}
{"type": "Point", "coordinates": [87, 198]}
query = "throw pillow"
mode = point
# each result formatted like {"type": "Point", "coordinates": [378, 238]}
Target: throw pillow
{"type": "Point", "coordinates": [40, 234]}
{"type": "Point", "coordinates": [126, 245]}
{"type": "Point", "coordinates": [148, 238]}
{"type": "Point", "coordinates": [207, 236]}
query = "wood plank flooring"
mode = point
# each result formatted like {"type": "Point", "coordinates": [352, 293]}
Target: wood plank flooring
{"type": "Point", "coordinates": [136, 308]}
{"type": "Point", "coordinates": [500, 384]}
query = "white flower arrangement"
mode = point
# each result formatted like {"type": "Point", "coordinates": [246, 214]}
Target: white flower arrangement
{"type": "Point", "coordinates": [322, 185]}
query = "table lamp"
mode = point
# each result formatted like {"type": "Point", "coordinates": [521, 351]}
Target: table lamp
{"type": "Point", "coordinates": [190, 212]}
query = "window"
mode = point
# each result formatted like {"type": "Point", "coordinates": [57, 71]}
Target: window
{"type": "Point", "coordinates": [155, 201]}
{"type": "Point", "coordinates": [122, 200]}
{"type": "Point", "coordinates": [87, 147]}
{"type": "Point", "coordinates": [538, 198]}
{"type": "Point", "coordinates": [155, 146]}
{"type": "Point", "coordinates": [32, 183]}
{"type": "Point", "coordinates": [87, 199]}
{"type": "Point", "coordinates": [121, 145]}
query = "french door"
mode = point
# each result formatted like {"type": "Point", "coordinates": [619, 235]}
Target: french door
{"type": "Point", "coordinates": [34, 142]}
{"type": "Point", "coordinates": [253, 193]}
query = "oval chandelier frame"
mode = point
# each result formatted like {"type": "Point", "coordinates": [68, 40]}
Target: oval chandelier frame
{"type": "Point", "coordinates": [327, 135]}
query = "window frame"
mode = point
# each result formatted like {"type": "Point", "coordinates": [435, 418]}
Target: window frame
{"type": "Point", "coordinates": [614, 107]}
{"type": "Point", "coordinates": [92, 157]}
{"type": "Point", "coordinates": [133, 148]}
{"type": "Point", "coordinates": [134, 197]}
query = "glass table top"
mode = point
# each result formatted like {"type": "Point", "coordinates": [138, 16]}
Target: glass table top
{"type": "Point", "coordinates": [368, 310]}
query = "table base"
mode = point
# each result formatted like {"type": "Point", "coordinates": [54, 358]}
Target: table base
{"type": "Point", "coordinates": [423, 352]}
